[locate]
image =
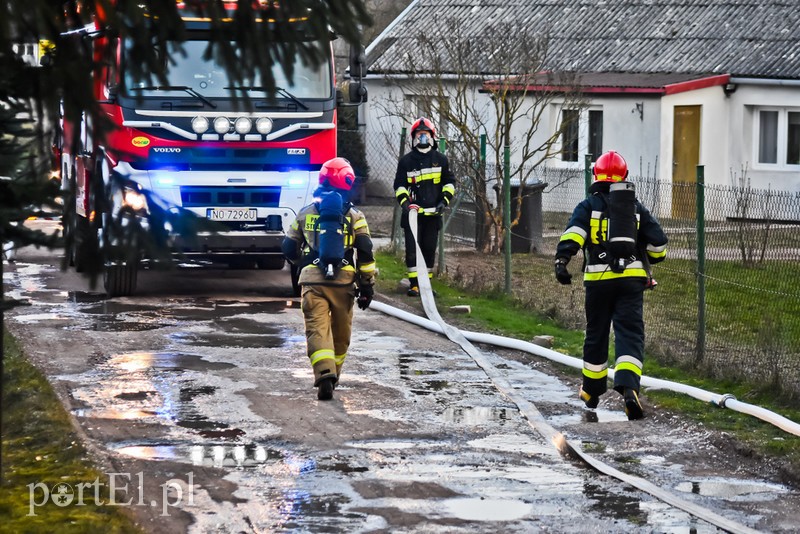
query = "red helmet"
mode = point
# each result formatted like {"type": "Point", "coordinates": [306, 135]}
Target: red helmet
{"type": "Point", "coordinates": [423, 124]}
{"type": "Point", "coordinates": [610, 167]}
{"type": "Point", "coordinates": [338, 174]}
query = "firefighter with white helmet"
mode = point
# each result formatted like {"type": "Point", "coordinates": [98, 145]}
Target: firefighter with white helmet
{"type": "Point", "coordinates": [328, 293]}
{"type": "Point", "coordinates": [620, 239]}
{"type": "Point", "coordinates": [423, 183]}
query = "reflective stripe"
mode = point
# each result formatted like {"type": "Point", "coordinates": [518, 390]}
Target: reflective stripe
{"type": "Point", "coordinates": [594, 374]}
{"type": "Point", "coordinates": [433, 173]}
{"type": "Point", "coordinates": [611, 275]}
{"type": "Point", "coordinates": [655, 249]}
{"type": "Point", "coordinates": [629, 360]}
{"type": "Point", "coordinates": [322, 354]}
{"type": "Point", "coordinates": [602, 267]}
{"type": "Point", "coordinates": [449, 188]}
{"type": "Point", "coordinates": [339, 359]}
{"type": "Point", "coordinates": [294, 225]}
{"type": "Point", "coordinates": [401, 191]}
{"type": "Point", "coordinates": [607, 178]}
{"type": "Point", "coordinates": [360, 224]}
{"type": "Point", "coordinates": [595, 367]}
{"type": "Point", "coordinates": [574, 233]}
{"type": "Point", "coordinates": [597, 227]}
{"type": "Point", "coordinates": [626, 366]}
{"type": "Point", "coordinates": [366, 267]}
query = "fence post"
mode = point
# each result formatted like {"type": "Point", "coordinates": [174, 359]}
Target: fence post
{"type": "Point", "coordinates": [395, 239]}
{"type": "Point", "coordinates": [700, 350]}
{"type": "Point", "coordinates": [587, 173]}
{"type": "Point", "coordinates": [480, 208]}
{"type": "Point", "coordinates": [440, 263]}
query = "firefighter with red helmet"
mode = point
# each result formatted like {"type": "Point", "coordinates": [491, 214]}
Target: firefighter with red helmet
{"type": "Point", "coordinates": [423, 182]}
{"type": "Point", "coordinates": [327, 298]}
{"type": "Point", "coordinates": [620, 238]}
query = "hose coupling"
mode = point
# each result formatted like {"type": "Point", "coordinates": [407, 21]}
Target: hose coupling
{"type": "Point", "coordinates": [724, 399]}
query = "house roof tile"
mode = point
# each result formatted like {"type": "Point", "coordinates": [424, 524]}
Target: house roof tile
{"type": "Point", "coordinates": [744, 38]}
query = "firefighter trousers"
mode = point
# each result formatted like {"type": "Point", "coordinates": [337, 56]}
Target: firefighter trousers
{"type": "Point", "coordinates": [618, 302]}
{"type": "Point", "coordinates": [428, 227]}
{"type": "Point", "coordinates": [328, 316]}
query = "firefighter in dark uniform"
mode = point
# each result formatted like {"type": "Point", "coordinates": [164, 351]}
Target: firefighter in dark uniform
{"type": "Point", "coordinates": [614, 286]}
{"type": "Point", "coordinates": [327, 303]}
{"type": "Point", "coordinates": [423, 182]}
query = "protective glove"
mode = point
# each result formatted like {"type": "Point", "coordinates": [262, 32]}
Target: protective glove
{"type": "Point", "coordinates": [440, 207]}
{"type": "Point", "coordinates": [562, 275]}
{"type": "Point", "coordinates": [365, 294]}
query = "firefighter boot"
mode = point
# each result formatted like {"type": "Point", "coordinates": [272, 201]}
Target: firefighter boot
{"type": "Point", "coordinates": [590, 401]}
{"type": "Point", "coordinates": [325, 378]}
{"type": "Point", "coordinates": [338, 374]}
{"type": "Point", "coordinates": [633, 407]}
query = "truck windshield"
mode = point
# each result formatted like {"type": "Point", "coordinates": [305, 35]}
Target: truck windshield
{"type": "Point", "coordinates": [207, 77]}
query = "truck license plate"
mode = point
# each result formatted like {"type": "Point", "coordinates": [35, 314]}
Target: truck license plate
{"type": "Point", "coordinates": [232, 214]}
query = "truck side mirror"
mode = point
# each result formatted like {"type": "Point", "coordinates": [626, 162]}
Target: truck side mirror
{"type": "Point", "coordinates": [358, 62]}
{"type": "Point", "coordinates": [357, 91]}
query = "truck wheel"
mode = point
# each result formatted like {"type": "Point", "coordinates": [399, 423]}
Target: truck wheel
{"type": "Point", "coordinates": [271, 263]}
{"type": "Point", "coordinates": [294, 270]}
{"type": "Point", "coordinates": [119, 279]}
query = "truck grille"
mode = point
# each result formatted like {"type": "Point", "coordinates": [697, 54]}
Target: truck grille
{"type": "Point", "coordinates": [246, 197]}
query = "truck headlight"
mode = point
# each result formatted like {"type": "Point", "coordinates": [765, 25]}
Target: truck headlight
{"type": "Point", "coordinates": [134, 200]}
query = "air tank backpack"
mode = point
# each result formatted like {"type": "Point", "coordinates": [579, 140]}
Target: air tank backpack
{"type": "Point", "coordinates": [622, 229]}
{"type": "Point", "coordinates": [330, 232]}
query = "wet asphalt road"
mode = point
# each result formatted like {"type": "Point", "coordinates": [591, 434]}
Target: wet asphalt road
{"type": "Point", "coordinates": [197, 394]}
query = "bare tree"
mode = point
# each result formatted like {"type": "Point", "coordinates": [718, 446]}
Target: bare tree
{"type": "Point", "coordinates": [752, 233]}
{"type": "Point", "coordinates": [497, 83]}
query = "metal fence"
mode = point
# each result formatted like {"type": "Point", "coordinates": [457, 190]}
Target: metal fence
{"type": "Point", "coordinates": [728, 299]}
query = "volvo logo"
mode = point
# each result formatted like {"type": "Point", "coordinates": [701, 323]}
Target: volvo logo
{"type": "Point", "coordinates": [167, 150]}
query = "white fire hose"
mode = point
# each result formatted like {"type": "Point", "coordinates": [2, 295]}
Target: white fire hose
{"type": "Point", "coordinates": [535, 418]}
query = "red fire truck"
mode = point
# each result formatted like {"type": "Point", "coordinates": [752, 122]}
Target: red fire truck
{"type": "Point", "coordinates": [189, 145]}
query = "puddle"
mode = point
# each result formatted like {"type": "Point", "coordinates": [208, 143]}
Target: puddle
{"type": "Point", "coordinates": [204, 455]}
{"type": "Point", "coordinates": [391, 444]}
{"type": "Point", "coordinates": [487, 509]}
{"type": "Point", "coordinates": [33, 318]}
{"type": "Point", "coordinates": [477, 415]}
{"type": "Point", "coordinates": [81, 297]}
{"type": "Point", "coordinates": [617, 506]}
{"type": "Point", "coordinates": [139, 361]}
{"type": "Point", "coordinates": [224, 340]}
{"type": "Point", "coordinates": [732, 489]}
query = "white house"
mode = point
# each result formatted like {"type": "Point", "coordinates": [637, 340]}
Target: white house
{"type": "Point", "coordinates": [671, 83]}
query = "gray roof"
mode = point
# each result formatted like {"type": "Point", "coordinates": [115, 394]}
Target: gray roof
{"type": "Point", "coordinates": [744, 38]}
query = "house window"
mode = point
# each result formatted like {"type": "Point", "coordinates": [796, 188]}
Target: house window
{"type": "Point", "coordinates": [569, 135]}
{"type": "Point", "coordinates": [595, 133]}
{"type": "Point", "coordinates": [778, 142]}
{"type": "Point", "coordinates": [581, 133]}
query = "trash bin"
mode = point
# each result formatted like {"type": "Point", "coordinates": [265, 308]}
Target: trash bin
{"type": "Point", "coordinates": [526, 236]}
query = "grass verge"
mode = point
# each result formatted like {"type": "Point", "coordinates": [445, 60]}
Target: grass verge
{"type": "Point", "coordinates": [40, 449]}
{"type": "Point", "coordinates": [498, 313]}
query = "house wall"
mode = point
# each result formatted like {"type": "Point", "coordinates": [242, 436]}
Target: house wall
{"type": "Point", "coordinates": [743, 140]}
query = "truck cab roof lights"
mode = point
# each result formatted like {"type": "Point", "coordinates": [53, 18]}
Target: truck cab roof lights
{"type": "Point", "coordinates": [242, 125]}
{"type": "Point", "coordinates": [200, 125]}
{"type": "Point", "coordinates": [264, 125]}
{"type": "Point", "coordinates": [222, 125]}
